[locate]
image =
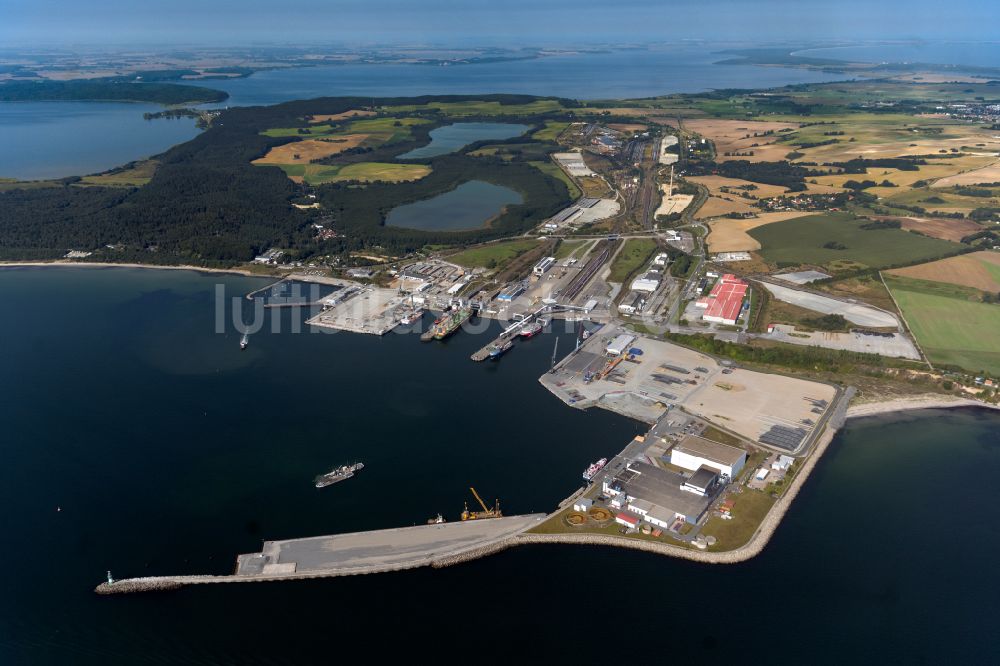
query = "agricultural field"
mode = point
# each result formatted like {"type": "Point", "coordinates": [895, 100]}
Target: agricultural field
{"type": "Point", "coordinates": [365, 172]}
{"type": "Point", "coordinates": [725, 195]}
{"type": "Point", "coordinates": [837, 241]}
{"type": "Point", "coordinates": [979, 270]}
{"type": "Point", "coordinates": [940, 201]}
{"type": "Point", "coordinates": [634, 253]}
{"type": "Point", "coordinates": [309, 150]}
{"type": "Point", "coordinates": [731, 235]}
{"type": "Point", "coordinates": [945, 228]}
{"type": "Point", "coordinates": [865, 288]}
{"type": "Point", "coordinates": [492, 255]}
{"type": "Point", "coordinates": [551, 131]}
{"type": "Point", "coordinates": [987, 174]}
{"type": "Point", "coordinates": [738, 136]}
{"type": "Point", "coordinates": [137, 175]}
{"type": "Point", "coordinates": [336, 117]}
{"type": "Point", "coordinates": [951, 325]}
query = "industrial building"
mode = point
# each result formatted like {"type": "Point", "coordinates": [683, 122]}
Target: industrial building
{"type": "Point", "coordinates": [658, 496]}
{"type": "Point", "coordinates": [649, 281]}
{"type": "Point", "coordinates": [544, 265]}
{"type": "Point", "coordinates": [725, 302]}
{"type": "Point", "coordinates": [620, 345]}
{"type": "Point", "coordinates": [634, 303]}
{"type": "Point", "coordinates": [693, 453]}
{"type": "Point", "coordinates": [511, 291]}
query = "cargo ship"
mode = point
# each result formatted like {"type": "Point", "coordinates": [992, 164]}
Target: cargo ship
{"type": "Point", "coordinates": [591, 472]}
{"type": "Point", "coordinates": [447, 323]}
{"type": "Point", "coordinates": [338, 474]}
{"type": "Point", "coordinates": [532, 329]}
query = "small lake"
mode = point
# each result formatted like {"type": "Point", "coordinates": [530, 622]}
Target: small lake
{"type": "Point", "coordinates": [468, 206]}
{"type": "Point", "coordinates": [450, 138]}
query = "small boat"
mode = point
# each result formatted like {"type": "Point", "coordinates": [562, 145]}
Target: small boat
{"type": "Point", "coordinates": [244, 341]}
{"type": "Point", "coordinates": [496, 351]}
{"type": "Point", "coordinates": [593, 469]}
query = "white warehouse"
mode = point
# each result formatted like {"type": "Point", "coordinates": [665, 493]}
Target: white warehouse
{"type": "Point", "coordinates": [544, 265]}
{"type": "Point", "coordinates": [692, 453]}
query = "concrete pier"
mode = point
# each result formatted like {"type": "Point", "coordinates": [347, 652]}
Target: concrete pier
{"type": "Point", "coordinates": [353, 554]}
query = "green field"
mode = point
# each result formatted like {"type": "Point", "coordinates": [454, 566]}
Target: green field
{"type": "Point", "coordinates": [632, 256]}
{"type": "Point", "coordinates": [492, 255]}
{"type": "Point", "coordinates": [801, 241]}
{"type": "Point", "coordinates": [551, 131]}
{"type": "Point", "coordinates": [550, 169]}
{"type": "Point", "coordinates": [569, 248]}
{"type": "Point", "coordinates": [951, 325]}
{"type": "Point", "coordinates": [380, 131]}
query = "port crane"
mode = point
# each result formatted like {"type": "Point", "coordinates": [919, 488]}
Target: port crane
{"type": "Point", "coordinates": [485, 513]}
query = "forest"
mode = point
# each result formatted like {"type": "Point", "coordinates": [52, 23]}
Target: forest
{"type": "Point", "coordinates": [206, 204]}
{"type": "Point", "coordinates": [108, 91]}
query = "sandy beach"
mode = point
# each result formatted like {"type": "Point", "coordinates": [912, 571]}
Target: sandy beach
{"type": "Point", "coordinates": [925, 401]}
{"type": "Point", "coordinates": [96, 264]}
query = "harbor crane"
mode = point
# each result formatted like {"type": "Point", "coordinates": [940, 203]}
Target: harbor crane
{"type": "Point", "coordinates": [485, 513]}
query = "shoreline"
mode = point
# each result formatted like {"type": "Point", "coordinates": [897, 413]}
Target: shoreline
{"type": "Point", "coordinates": [63, 263]}
{"type": "Point", "coordinates": [752, 548]}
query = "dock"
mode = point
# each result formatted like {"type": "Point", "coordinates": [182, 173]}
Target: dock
{"type": "Point", "coordinates": [508, 334]}
{"type": "Point", "coordinates": [352, 554]}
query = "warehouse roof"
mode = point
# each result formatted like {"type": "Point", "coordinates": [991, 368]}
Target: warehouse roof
{"type": "Point", "coordinates": [663, 488]}
{"type": "Point", "coordinates": [710, 450]}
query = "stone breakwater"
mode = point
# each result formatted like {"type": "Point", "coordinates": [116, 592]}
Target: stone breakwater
{"type": "Point", "coordinates": [134, 585]}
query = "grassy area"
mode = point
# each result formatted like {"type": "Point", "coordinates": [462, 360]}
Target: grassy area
{"type": "Point", "coordinates": [952, 326]}
{"type": "Point", "coordinates": [749, 510]}
{"type": "Point", "coordinates": [551, 131]}
{"type": "Point", "coordinates": [837, 241]}
{"type": "Point", "coordinates": [716, 435]}
{"type": "Point", "coordinates": [550, 169]}
{"type": "Point", "coordinates": [492, 255]}
{"type": "Point", "coordinates": [380, 131]}
{"type": "Point", "coordinates": [569, 248]}
{"type": "Point", "coordinates": [557, 525]}
{"type": "Point", "coordinates": [635, 253]}
{"type": "Point", "coordinates": [594, 187]}
{"type": "Point", "coordinates": [136, 176]}
{"type": "Point", "coordinates": [867, 288]}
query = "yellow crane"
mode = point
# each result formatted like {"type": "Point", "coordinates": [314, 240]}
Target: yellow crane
{"type": "Point", "coordinates": [485, 513]}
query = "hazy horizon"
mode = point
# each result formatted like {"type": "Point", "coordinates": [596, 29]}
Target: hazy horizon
{"type": "Point", "coordinates": [474, 22]}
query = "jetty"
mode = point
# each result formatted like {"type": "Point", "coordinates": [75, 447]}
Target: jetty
{"type": "Point", "coordinates": [357, 553]}
{"type": "Point", "coordinates": [507, 335]}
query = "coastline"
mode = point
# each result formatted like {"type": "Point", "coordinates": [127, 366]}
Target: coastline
{"type": "Point", "coordinates": [921, 401]}
{"type": "Point", "coordinates": [62, 263]}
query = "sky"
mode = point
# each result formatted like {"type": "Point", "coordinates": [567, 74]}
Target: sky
{"type": "Point", "coordinates": [485, 22]}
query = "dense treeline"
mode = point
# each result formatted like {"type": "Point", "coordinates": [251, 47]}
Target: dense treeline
{"type": "Point", "coordinates": [207, 204]}
{"type": "Point", "coordinates": [784, 174]}
{"type": "Point", "coordinates": [107, 91]}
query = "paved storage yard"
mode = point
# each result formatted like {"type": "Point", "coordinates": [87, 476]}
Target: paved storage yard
{"type": "Point", "coordinates": [381, 550]}
{"type": "Point", "coordinates": [753, 404]}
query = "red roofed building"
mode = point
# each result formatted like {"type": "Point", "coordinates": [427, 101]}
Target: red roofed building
{"type": "Point", "coordinates": [627, 520]}
{"type": "Point", "coordinates": [724, 303]}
